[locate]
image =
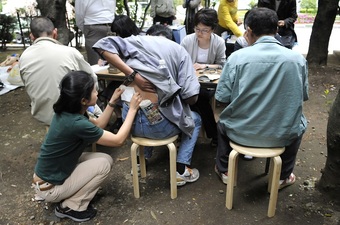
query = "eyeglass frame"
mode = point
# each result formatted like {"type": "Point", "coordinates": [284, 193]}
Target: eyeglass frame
{"type": "Point", "coordinates": [202, 31]}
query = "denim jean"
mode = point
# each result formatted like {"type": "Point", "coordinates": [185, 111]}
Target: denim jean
{"type": "Point", "coordinates": [165, 129]}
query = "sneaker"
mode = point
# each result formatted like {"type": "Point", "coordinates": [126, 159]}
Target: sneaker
{"type": "Point", "coordinates": [78, 216]}
{"type": "Point", "coordinates": [189, 175]}
{"type": "Point", "coordinates": [248, 157]}
{"type": "Point", "coordinates": [138, 170]}
{"type": "Point", "coordinates": [288, 181]}
{"type": "Point", "coordinates": [222, 176]}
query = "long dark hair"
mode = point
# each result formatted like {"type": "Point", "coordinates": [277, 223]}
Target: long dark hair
{"type": "Point", "coordinates": [124, 26]}
{"type": "Point", "coordinates": [74, 86]}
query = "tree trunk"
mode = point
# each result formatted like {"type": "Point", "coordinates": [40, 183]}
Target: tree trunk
{"type": "Point", "coordinates": [321, 32]}
{"type": "Point", "coordinates": [330, 182]}
{"type": "Point", "coordinates": [56, 11]}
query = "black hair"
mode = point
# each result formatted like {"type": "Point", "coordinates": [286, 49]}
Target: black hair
{"type": "Point", "coordinates": [206, 16]}
{"type": "Point", "coordinates": [262, 21]}
{"type": "Point", "coordinates": [41, 26]}
{"type": "Point", "coordinates": [74, 86]}
{"type": "Point", "coordinates": [124, 26]}
{"type": "Point", "coordinates": [160, 30]}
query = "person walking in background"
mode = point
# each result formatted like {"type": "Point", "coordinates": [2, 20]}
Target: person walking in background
{"type": "Point", "coordinates": [228, 18]}
{"type": "Point", "coordinates": [207, 51]}
{"type": "Point", "coordinates": [264, 86]}
{"type": "Point", "coordinates": [163, 11]}
{"type": "Point", "coordinates": [94, 18]}
{"type": "Point", "coordinates": [64, 173]}
{"type": "Point", "coordinates": [44, 64]}
{"type": "Point", "coordinates": [191, 7]}
{"type": "Point", "coordinates": [286, 12]}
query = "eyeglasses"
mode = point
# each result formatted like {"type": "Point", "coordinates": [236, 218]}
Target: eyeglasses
{"type": "Point", "coordinates": [202, 31]}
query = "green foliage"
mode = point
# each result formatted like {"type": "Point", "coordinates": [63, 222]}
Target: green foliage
{"type": "Point", "coordinates": [7, 26]}
{"type": "Point", "coordinates": [326, 92]}
{"type": "Point", "coordinates": [252, 4]}
{"type": "Point", "coordinates": [308, 6]}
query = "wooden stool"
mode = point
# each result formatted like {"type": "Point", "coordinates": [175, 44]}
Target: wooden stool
{"type": "Point", "coordinates": [141, 142]}
{"type": "Point", "coordinates": [274, 172]}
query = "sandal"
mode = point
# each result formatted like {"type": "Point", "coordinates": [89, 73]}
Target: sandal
{"type": "Point", "coordinates": [288, 181]}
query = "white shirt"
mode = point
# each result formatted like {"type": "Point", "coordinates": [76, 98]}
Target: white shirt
{"type": "Point", "coordinates": [202, 55]}
{"type": "Point", "coordinates": [90, 12]}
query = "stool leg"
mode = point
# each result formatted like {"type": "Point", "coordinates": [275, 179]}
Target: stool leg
{"type": "Point", "coordinates": [142, 162]}
{"type": "Point", "coordinates": [134, 148]}
{"type": "Point", "coordinates": [231, 178]}
{"type": "Point", "coordinates": [271, 170]}
{"type": "Point", "coordinates": [267, 166]}
{"type": "Point", "coordinates": [173, 170]}
{"type": "Point", "coordinates": [274, 185]}
{"type": "Point", "coordinates": [94, 147]}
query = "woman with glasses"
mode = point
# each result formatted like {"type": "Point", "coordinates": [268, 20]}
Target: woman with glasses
{"type": "Point", "coordinates": [207, 51]}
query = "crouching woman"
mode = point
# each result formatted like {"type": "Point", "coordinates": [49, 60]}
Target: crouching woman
{"type": "Point", "coordinates": [64, 173]}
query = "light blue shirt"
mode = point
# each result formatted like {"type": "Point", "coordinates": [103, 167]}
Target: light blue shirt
{"type": "Point", "coordinates": [265, 86]}
{"type": "Point", "coordinates": [173, 84]}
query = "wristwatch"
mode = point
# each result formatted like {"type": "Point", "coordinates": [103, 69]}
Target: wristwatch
{"type": "Point", "coordinates": [128, 80]}
{"type": "Point", "coordinates": [111, 104]}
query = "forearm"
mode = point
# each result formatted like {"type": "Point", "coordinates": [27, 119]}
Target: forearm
{"type": "Point", "coordinates": [105, 117]}
{"type": "Point", "coordinates": [117, 62]}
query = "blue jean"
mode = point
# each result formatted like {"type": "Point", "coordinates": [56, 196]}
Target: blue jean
{"type": "Point", "coordinates": [165, 129]}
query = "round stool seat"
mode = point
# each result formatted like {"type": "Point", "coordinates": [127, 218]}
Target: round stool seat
{"type": "Point", "coordinates": [139, 143]}
{"type": "Point", "coordinates": [153, 142]}
{"type": "Point", "coordinates": [275, 169]}
{"type": "Point", "coordinates": [258, 152]}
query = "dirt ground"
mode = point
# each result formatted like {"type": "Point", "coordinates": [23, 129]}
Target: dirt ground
{"type": "Point", "coordinates": [202, 202]}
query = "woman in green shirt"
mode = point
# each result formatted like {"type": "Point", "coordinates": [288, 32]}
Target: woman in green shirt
{"type": "Point", "coordinates": [64, 173]}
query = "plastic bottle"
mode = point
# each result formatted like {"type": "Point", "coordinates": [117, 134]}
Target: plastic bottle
{"type": "Point", "coordinates": [162, 64]}
{"type": "Point", "coordinates": [163, 67]}
{"type": "Point", "coordinates": [151, 111]}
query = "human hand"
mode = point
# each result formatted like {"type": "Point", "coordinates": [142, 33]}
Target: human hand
{"type": "Point", "coordinates": [135, 101]}
{"type": "Point", "coordinates": [239, 23]}
{"type": "Point", "coordinates": [116, 94]}
{"type": "Point", "coordinates": [144, 84]}
{"type": "Point", "coordinates": [198, 66]}
{"type": "Point", "coordinates": [102, 62]}
{"type": "Point", "coordinates": [281, 23]}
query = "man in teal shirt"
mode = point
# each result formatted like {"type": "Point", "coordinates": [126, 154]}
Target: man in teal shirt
{"type": "Point", "coordinates": [264, 86]}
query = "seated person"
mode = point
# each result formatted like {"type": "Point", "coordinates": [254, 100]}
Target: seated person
{"type": "Point", "coordinates": [43, 65]}
{"type": "Point", "coordinates": [207, 51]}
{"type": "Point", "coordinates": [64, 173]}
{"type": "Point", "coordinates": [264, 86]}
{"type": "Point", "coordinates": [171, 91]}
{"type": "Point", "coordinates": [242, 42]}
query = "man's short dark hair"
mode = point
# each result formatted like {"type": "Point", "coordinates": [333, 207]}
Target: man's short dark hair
{"type": "Point", "coordinates": [41, 26]}
{"type": "Point", "coordinates": [160, 30]}
{"type": "Point", "coordinates": [262, 21]}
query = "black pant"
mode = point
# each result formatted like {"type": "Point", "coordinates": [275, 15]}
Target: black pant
{"type": "Point", "coordinates": [203, 107]}
{"type": "Point", "coordinates": [223, 150]}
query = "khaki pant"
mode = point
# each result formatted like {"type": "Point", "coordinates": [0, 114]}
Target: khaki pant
{"type": "Point", "coordinates": [81, 186]}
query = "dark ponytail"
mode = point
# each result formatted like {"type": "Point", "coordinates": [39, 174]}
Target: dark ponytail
{"type": "Point", "coordinates": [74, 86]}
